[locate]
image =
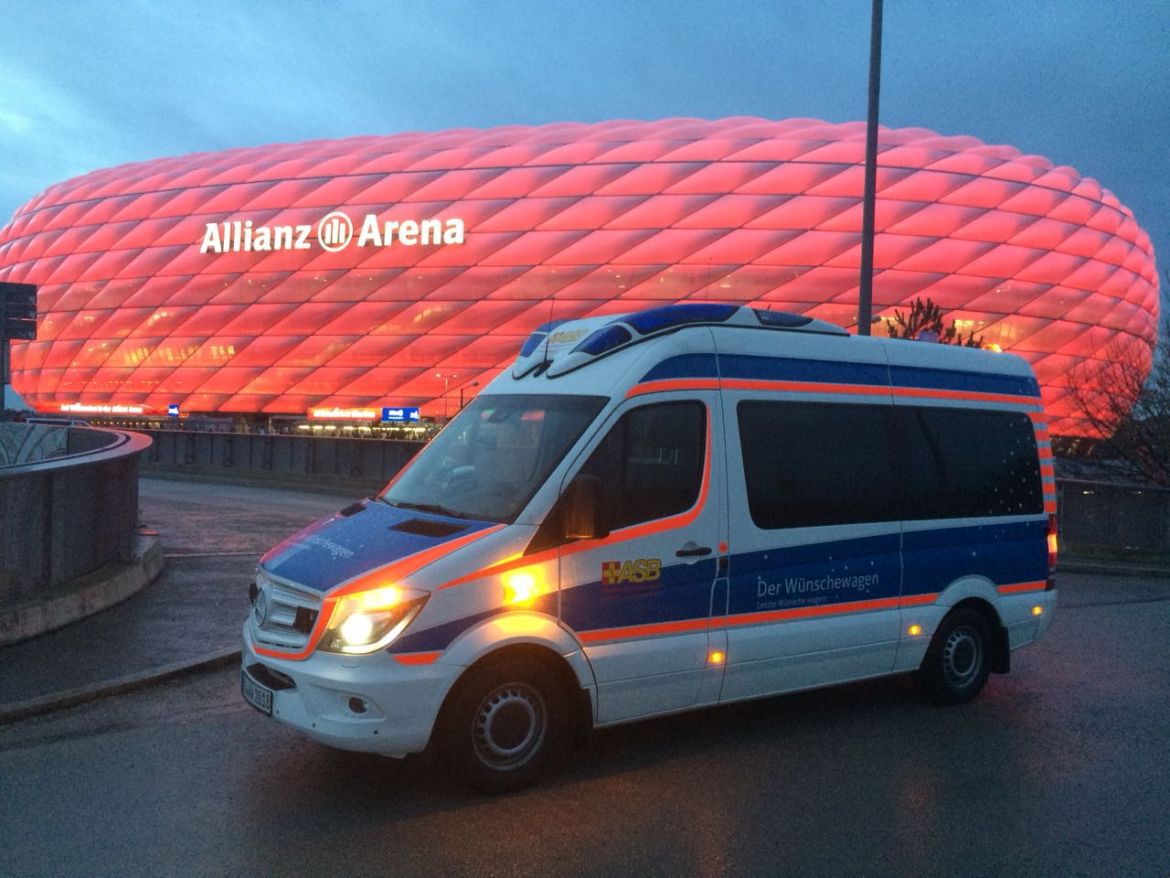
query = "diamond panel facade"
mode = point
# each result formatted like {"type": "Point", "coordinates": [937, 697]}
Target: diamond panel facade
{"type": "Point", "coordinates": [174, 281]}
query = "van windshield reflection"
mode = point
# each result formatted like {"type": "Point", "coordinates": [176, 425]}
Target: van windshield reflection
{"type": "Point", "coordinates": [489, 461]}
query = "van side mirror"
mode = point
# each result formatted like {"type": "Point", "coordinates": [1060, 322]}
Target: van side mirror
{"type": "Point", "coordinates": [583, 513]}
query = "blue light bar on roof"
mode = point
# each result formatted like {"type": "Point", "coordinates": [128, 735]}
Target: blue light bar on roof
{"type": "Point", "coordinates": [784, 319]}
{"type": "Point", "coordinates": [658, 319]}
{"type": "Point", "coordinates": [532, 343]}
{"type": "Point", "coordinates": [605, 339]}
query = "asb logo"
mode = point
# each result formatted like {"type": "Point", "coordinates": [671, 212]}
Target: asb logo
{"type": "Point", "coordinates": [335, 231]}
{"type": "Point", "coordinates": [640, 570]}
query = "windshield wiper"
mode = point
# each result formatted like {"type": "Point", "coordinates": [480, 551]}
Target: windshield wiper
{"type": "Point", "coordinates": [433, 508]}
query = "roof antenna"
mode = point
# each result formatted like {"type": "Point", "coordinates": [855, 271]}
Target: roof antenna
{"type": "Point", "coordinates": [552, 308]}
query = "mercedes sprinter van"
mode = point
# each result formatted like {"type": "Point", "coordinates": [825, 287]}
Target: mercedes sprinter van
{"type": "Point", "coordinates": [662, 511]}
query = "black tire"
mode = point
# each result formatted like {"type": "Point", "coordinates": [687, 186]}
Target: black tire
{"type": "Point", "coordinates": [502, 725]}
{"type": "Point", "coordinates": [958, 661]}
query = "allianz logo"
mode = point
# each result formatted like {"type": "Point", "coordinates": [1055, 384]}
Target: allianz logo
{"type": "Point", "coordinates": [333, 233]}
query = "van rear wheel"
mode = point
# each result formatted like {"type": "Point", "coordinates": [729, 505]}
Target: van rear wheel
{"type": "Point", "coordinates": [958, 661]}
{"type": "Point", "coordinates": [502, 725]}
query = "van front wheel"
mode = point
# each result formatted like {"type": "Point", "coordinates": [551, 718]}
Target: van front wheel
{"type": "Point", "coordinates": [957, 663]}
{"type": "Point", "coordinates": [502, 725]}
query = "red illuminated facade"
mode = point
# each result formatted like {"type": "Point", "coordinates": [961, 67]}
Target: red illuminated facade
{"type": "Point", "coordinates": [407, 270]}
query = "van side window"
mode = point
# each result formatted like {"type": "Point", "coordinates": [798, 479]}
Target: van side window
{"type": "Point", "coordinates": [964, 463]}
{"type": "Point", "coordinates": [651, 462]}
{"type": "Point", "coordinates": [815, 464]}
{"type": "Point", "coordinates": [809, 464]}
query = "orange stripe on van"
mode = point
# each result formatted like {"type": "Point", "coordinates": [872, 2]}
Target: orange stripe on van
{"type": "Point", "coordinates": [917, 600]}
{"type": "Point", "coordinates": [805, 387]}
{"type": "Point", "coordinates": [672, 384]}
{"type": "Point", "coordinates": [686, 626]}
{"type": "Point", "coordinates": [504, 566]}
{"type": "Point", "coordinates": [1047, 469]}
{"type": "Point", "coordinates": [404, 567]}
{"type": "Point", "coordinates": [968, 395]}
{"type": "Point", "coordinates": [1022, 587]}
{"type": "Point", "coordinates": [812, 612]}
{"type": "Point", "coordinates": [600, 635]}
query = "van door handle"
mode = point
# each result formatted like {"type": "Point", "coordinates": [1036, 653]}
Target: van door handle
{"type": "Point", "coordinates": [690, 550]}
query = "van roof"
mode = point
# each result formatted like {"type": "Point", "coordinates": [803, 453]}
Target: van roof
{"type": "Point", "coordinates": [562, 346]}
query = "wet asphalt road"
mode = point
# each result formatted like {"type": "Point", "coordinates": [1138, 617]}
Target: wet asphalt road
{"type": "Point", "coordinates": [1058, 769]}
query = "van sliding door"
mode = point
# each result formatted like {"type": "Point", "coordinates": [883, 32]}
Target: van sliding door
{"type": "Point", "coordinates": [816, 570]}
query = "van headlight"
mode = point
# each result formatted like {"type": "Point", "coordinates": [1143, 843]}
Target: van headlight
{"type": "Point", "coordinates": [370, 620]}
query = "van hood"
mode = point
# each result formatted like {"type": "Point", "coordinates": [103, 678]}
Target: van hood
{"type": "Point", "coordinates": [358, 539]}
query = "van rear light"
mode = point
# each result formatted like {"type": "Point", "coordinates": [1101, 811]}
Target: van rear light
{"type": "Point", "coordinates": [1052, 549]}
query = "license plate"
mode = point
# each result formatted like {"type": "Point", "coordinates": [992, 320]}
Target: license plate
{"type": "Point", "coordinates": [260, 697]}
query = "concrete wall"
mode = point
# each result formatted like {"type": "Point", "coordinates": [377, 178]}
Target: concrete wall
{"type": "Point", "coordinates": [65, 516]}
{"type": "Point", "coordinates": [362, 463]}
{"type": "Point", "coordinates": [1107, 516]}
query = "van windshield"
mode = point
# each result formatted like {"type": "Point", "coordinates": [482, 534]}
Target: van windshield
{"type": "Point", "coordinates": [489, 461]}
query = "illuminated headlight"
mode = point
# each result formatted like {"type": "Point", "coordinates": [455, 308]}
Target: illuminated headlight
{"type": "Point", "coordinates": [371, 620]}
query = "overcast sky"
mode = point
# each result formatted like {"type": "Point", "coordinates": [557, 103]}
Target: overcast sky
{"type": "Point", "coordinates": [86, 85]}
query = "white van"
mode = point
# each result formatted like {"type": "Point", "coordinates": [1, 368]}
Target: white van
{"type": "Point", "coordinates": [661, 511]}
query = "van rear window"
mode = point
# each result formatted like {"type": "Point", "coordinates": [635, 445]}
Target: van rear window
{"type": "Point", "coordinates": [817, 464]}
{"type": "Point", "coordinates": [964, 463]}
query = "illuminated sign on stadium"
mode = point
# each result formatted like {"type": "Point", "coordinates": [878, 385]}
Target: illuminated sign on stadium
{"type": "Point", "coordinates": [334, 233]}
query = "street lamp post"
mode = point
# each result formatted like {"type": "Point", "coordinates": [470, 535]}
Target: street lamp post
{"type": "Point", "coordinates": [446, 382]}
{"type": "Point", "coordinates": [869, 198]}
{"type": "Point", "coordinates": [464, 387]}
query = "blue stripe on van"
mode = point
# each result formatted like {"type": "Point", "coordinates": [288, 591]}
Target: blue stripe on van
{"type": "Point", "coordinates": [684, 366]}
{"type": "Point", "coordinates": [833, 372]}
{"type": "Point", "coordinates": [820, 574]}
{"type": "Point", "coordinates": [842, 571]}
{"type": "Point", "coordinates": [1004, 553]}
{"type": "Point", "coordinates": [683, 591]}
{"type": "Point", "coordinates": [953, 379]}
{"type": "Point", "coordinates": [336, 549]}
{"type": "Point", "coordinates": [792, 369]}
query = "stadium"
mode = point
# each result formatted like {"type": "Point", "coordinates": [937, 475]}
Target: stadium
{"type": "Point", "coordinates": [335, 278]}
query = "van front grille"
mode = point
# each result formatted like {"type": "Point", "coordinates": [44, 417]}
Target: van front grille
{"type": "Point", "coordinates": [283, 614]}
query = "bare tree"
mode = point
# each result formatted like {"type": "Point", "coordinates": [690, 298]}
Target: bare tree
{"type": "Point", "coordinates": [1126, 401]}
{"type": "Point", "coordinates": [925, 321]}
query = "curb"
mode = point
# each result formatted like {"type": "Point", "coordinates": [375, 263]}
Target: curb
{"type": "Point", "coordinates": [84, 596]}
{"type": "Point", "coordinates": [118, 686]}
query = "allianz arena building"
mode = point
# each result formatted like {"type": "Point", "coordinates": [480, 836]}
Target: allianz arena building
{"type": "Point", "coordinates": [347, 275]}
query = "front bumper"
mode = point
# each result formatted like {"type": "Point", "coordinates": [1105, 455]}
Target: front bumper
{"type": "Point", "coordinates": [398, 703]}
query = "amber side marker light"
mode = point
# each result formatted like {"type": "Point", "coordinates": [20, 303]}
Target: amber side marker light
{"type": "Point", "coordinates": [521, 587]}
{"type": "Point", "coordinates": [914, 630]}
{"type": "Point", "coordinates": [1037, 610]}
{"type": "Point", "coordinates": [1053, 549]}
{"type": "Point", "coordinates": [716, 658]}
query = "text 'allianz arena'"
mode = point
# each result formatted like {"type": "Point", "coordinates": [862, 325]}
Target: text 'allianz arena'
{"type": "Point", "coordinates": [405, 270]}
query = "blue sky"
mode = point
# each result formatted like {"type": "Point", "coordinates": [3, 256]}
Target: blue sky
{"type": "Point", "coordinates": [85, 85]}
